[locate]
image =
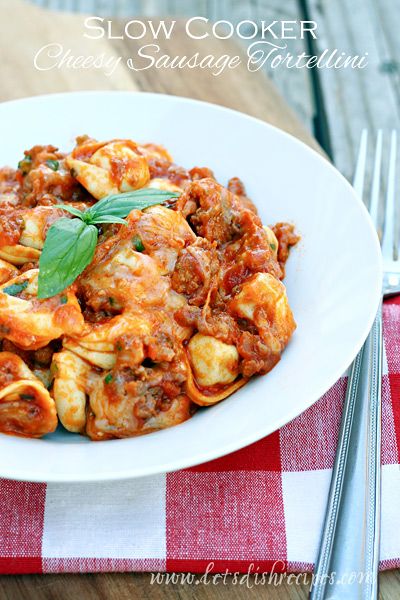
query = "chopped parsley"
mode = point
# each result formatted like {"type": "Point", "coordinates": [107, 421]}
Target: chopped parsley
{"type": "Point", "coordinates": [108, 378]}
{"type": "Point", "coordinates": [137, 242]}
{"type": "Point", "coordinates": [273, 247]}
{"type": "Point", "coordinates": [26, 397]}
{"type": "Point", "coordinates": [111, 301]}
{"type": "Point", "coordinates": [53, 164]}
{"type": "Point", "coordinates": [25, 164]}
{"type": "Point", "coordinates": [63, 300]}
{"type": "Point", "coordinates": [15, 288]}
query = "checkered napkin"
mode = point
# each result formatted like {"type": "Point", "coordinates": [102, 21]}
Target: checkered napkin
{"type": "Point", "coordinates": [260, 506]}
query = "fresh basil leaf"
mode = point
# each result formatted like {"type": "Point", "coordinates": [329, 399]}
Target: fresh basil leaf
{"type": "Point", "coordinates": [120, 205]}
{"type": "Point", "coordinates": [70, 209]}
{"type": "Point", "coordinates": [68, 249]}
{"type": "Point", "coordinates": [107, 219]}
{"type": "Point", "coordinates": [53, 164]}
{"type": "Point", "coordinates": [15, 288]}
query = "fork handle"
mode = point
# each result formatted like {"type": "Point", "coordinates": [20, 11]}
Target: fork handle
{"type": "Point", "coordinates": [347, 565]}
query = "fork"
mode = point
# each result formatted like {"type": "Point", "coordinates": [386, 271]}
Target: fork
{"type": "Point", "coordinates": [348, 560]}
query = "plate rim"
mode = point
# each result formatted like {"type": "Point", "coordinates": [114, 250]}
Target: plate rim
{"type": "Point", "coordinates": [256, 434]}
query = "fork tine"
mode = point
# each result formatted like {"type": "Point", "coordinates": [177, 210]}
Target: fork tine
{"type": "Point", "coordinates": [389, 222]}
{"type": "Point", "coordinates": [359, 175]}
{"type": "Point", "coordinates": [376, 181]}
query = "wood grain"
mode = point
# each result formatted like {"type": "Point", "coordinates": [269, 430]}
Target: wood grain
{"type": "Point", "coordinates": [125, 586]}
{"type": "Point", "coordinates": [26, 29]}
{"type": "Point", "coordinates": [358, 98]}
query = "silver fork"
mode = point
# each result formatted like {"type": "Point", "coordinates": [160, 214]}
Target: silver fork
{"type": "Point", "coordinates": [348, 560]}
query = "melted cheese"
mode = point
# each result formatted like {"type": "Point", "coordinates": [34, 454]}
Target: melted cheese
{"type": "Point", "coordinates": [118, 419]}
{"type": "Point", "coordinates": [127, 277]}
{"type": "Point", "coordinates": [97, 346]}
{"type": "Point", "coordinates": [164, 233]}
{"type": "Point", "coordinates": [36, 221]}
{"type": "Point", "coordinates": [125, 274]}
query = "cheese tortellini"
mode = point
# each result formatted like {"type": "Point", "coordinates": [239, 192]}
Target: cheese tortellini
{"type": "Point", "coordinates": [31, 323]}
{"type": "Point", "coordinates": [213, 361]}
{"type": "Point", "coordinates": [19, 255]}
{"type": "Point", "coordinates": [132, 414]}
{"type": "Point", "coordinates": [135, 263]}
{"type": "Point", "coordinates": [98, 345]}
{"type": "Point", "coordinates": [26, 407]}
{"type": "Point", "coordinates": [7, 271]}
{"type": "Point", "coordinates": [263, 301]}
{"type": "Point", "coordinates": [109, 168]}
{"type": "Point", "coordinates": [178, 307]}
{"type": "Point", "coordinates": [214, 366]}
{"type": "Point", "coordinates": [35, 223]}
{"type": "Point", "coordinates": [69, 389]}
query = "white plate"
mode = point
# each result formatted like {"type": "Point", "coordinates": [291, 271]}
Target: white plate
{"type": "Point", "coordinates": [333, 276]}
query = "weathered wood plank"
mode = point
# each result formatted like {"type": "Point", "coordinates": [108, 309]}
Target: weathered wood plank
{"type": "Point", "coordinates": [388, 14]}
{"type": "Point", "coordinates": [294, 84]}
{"type": "Point", "coordinates": [28, 29]}
{"type": "Point", "coordinates": [125, 586]}
{"type": "Point", "coordinates": [357, 98]}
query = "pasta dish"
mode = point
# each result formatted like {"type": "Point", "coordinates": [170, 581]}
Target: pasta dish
{"type": "Point", "coordinates": [132, 290]}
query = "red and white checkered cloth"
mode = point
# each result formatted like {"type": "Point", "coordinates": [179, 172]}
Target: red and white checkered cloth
{"type": "Point", "coordinates": [263, 504]}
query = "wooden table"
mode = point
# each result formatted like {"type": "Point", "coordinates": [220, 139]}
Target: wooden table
{"type": "Point", "coordinates": [25, 29]}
